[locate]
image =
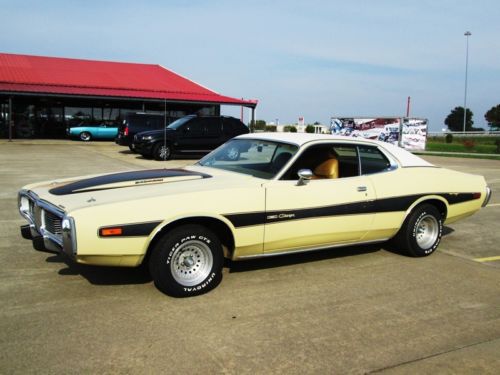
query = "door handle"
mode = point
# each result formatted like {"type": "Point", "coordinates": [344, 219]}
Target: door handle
{"type": "Point", "coordinates": [362, 188]}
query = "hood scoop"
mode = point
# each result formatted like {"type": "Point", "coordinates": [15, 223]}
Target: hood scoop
{"type": "Point", "coordinates": [127, 179]}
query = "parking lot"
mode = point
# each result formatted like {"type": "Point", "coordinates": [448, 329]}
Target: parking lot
{"type": "Point", "coordinates": [351, 310]}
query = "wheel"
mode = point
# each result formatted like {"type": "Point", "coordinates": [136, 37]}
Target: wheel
{"type": "Point", "coordinates": [187, 261]}
{"type": "Point", "coordinates": [233, 153]}
{"type": "Point", "coordinates": [162, 152]}
{"type": "Point", "coordinates": [85, 136]}
{"type": "Point", "coordinates": [421, 231]}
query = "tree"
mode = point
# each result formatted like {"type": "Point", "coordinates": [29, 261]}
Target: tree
{"type": "Point", "coordinates": [309, 129]}
{"type": "Point", "coordinates": [290, 129]}
{"type": "Point", "coordinates": [455, 120]}
{"type": "Point", "coordinates": [258, 125]}
{"type": "Point", "coordinates": [492, 117]}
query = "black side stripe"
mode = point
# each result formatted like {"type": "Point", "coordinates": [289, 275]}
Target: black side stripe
{"type": "Point", "coordinates": [132, 230]}
{"type": "Point", "coordinates": [394, 204]}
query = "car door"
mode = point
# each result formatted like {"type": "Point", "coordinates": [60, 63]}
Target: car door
{"type": "Point", "coordinates": [321, 213]}
{"type": "Point", "coordinates": [107, 131]}
{"type": "Point", "coordinates": [191, 137]}
{"type": "Point", "coordinates": [213, 133]}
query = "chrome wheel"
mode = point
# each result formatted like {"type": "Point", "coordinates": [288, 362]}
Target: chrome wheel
{"type": "Point", "coordinates": [426, 231]}
{"type": "Point", "coordinates": [191, 263]}
{"type": "Point", "coordinates": [85, 136]}
{"type": "Point", "coordinates": [163, 153]}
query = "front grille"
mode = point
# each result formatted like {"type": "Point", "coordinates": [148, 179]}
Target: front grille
{"type": "Point", "coordinates": [53, 223]}
{"type": "Point", "coordinates": [31, 207]}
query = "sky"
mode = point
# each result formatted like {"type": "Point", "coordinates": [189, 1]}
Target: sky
{"type": "Point", "coordinates": [315, 59]}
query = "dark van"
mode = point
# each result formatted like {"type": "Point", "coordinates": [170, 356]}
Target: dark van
{"type": "Point", "coordinates": [136, 123]}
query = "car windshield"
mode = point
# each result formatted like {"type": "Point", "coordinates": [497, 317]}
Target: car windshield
{"type": "Point", "coordinates": [178, 123]}
{"type": "Point", "coordinates": [263, 159]}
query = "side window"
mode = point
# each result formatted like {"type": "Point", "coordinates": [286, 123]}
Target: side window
{"type": "Point", "coordinates": [233, 127]}
{"type": "Point", "coordinates": [213, 127]}
{"type": "Point", "coordinates": [193, 128]}
{"type": "Point", "coordinates": [372, 160]}
{"type": "Point", "coordinates": [326, 161]}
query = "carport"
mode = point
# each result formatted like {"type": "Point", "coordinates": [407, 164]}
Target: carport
{"type": "Point", "coordinates": [41, 96]}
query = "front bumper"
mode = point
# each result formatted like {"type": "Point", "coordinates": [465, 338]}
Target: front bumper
{"type": "Point", "coordinates": [49, 228]}
{"type": "Point", "coordinates": [143, 147]}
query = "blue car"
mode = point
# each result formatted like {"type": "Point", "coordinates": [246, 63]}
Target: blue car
{"type": "Point", "coordinates": [88, 132]}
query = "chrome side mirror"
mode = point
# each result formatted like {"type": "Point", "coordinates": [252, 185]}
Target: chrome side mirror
{"type": "Point", "coordinates": [304, 176]}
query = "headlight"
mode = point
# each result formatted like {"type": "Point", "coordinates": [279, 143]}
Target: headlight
{"type": "Point", "coordinates": [147, 137]}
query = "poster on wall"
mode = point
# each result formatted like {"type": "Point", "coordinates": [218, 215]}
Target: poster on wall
{"type": "Point", "coordinates": [409, 133]}
{"type": "Point", "coordinates": [414, 133]}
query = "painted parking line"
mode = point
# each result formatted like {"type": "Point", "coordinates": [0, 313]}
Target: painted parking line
{"type": "Point", "coordinates": [488, 259]}
{"type": "Point", "coordinates": [493, 205]}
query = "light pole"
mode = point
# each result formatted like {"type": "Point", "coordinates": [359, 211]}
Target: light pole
{"type": "Point", "coordinates": [467, 34]}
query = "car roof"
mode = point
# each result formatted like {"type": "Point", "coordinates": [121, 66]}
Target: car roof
{"type": "Point", "coordinates": [405, 158]}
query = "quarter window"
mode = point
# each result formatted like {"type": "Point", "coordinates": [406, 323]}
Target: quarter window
{"type": "Point", "coordinates": [372, 160]}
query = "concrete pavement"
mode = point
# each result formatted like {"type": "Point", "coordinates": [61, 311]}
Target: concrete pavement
{"type": "Point", "coordinates": [351, 310]}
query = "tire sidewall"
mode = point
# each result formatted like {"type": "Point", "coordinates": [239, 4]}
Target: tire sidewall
{"type": "Point", "coordinates": [163, 253]}
{"type": "Point", "coordinates": [415, 218]}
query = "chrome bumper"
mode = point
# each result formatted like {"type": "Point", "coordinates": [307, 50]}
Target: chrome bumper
{"type": "Point", "coordinates": [48, 227]}
{"type": "Point", "coordinates": [488, 196]}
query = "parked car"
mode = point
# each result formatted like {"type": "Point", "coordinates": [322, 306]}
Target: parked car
{"type": "Point", "coordinates": [286, 193]}
{"type": "Point", "coordinates": [189, 135]}
{"type": "Point", "coordinates": [88, 132]}
{"type": "Point", "coordinates": [138, 122]}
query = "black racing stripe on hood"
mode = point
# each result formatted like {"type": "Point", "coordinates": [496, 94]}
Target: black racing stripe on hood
{"type": "Point", "coordinates": [93, 184]}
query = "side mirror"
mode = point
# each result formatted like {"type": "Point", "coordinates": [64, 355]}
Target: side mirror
{"type": "Point", "coordinates": [304, 176]}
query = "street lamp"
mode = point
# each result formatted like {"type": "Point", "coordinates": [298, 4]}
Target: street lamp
{"type": "Point", "coordinates": [467, 34]}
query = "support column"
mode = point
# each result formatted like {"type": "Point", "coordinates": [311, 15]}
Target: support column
{"type": "Point", "coordinates": [252, 121]}
{"type": "Point", "coordinates": [10, 123]}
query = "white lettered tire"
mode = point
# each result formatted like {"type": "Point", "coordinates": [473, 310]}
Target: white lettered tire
{"type": "Point", "coordinates": [187, 261]}
{"type": "Point", "coordinates": [421, 232]}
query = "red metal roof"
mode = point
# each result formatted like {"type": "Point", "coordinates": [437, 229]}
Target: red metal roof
{"type": "Point", "coordinates": [55, 75]}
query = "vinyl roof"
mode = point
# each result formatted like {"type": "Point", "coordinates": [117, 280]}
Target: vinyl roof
{"type": "Point", "coordinates": [405, 158]}
{"type": "Point", "coordinates": [64, 76]}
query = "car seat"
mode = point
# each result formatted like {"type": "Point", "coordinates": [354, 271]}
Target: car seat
{"type": "Point", "coordinates": [327, 169]}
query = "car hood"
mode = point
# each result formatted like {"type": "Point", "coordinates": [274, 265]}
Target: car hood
{"type": "Point", "coordinates": [80, 192]}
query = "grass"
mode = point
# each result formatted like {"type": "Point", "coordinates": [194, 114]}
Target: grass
{"type": "Point", "coordinates": [468, 144]}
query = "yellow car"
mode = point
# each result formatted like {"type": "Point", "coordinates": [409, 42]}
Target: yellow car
{"type": "Point", "coordinates": [285, 193]}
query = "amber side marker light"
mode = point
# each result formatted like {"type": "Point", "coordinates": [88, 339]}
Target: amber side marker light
{"type": "Point", "coordinates": [109, 232]}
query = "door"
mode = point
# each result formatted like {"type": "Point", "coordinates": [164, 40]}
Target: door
{"type": "Point", "coordinates": [323, 212]}
{"type": "Point", "coordinates": [213, 133]}
{"type": "Point", "coordinates": [191, 137]}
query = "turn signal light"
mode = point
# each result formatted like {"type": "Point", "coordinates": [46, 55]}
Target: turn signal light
{"type": "Point", "coordinates": [476, 195]}
{"type": "Point", "coordinates": [108, 232]}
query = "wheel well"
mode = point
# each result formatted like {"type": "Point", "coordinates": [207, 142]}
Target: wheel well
{"type": "Point", "coordinates": [218, 227]}
{"type": "Point", "coordinates": [440, 205]}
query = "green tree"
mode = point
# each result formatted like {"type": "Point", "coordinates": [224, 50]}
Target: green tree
{"type": "Point", "coordinates": [290, 129]}
{"type": "Point", "coordinates": [259, 125]}
{"type": "Point", "coordinates": [455, 120]}
{"type": "Point", "coordinates": [309, 129]}
{"type": "Point", "coordinates": [492, 117]}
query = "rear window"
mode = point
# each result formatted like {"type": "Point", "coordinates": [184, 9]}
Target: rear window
{"type": "Point", "coordinates": [233, 127]}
